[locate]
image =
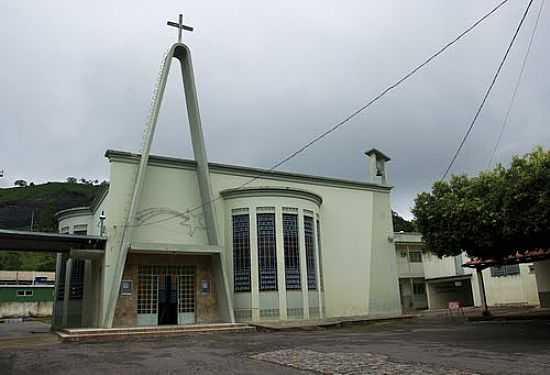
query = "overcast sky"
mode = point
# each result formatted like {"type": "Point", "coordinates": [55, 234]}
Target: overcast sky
{"type": "Point", "coordinates": [77, 78]}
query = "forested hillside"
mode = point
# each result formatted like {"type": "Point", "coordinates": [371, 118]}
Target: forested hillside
{"type": "Point", "coordinates": [37, 204]}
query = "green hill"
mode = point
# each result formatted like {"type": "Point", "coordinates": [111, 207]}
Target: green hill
{"type": "Point", "coordinates": [17, 204]}
{"type": "Point", "coordinates": [16, 212]}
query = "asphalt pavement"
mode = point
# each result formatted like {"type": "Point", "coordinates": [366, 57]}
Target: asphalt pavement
{"type": "Point", "coordinates": [413, 346]}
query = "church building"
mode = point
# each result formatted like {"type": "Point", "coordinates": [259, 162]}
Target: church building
{"type": "Point", "coordinates": [190, 241]}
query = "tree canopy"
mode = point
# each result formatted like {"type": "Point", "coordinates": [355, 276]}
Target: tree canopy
{"type": "Point", "coordinates": [401, 224]}
{"type": "Point", "coordinates": [495, 214]}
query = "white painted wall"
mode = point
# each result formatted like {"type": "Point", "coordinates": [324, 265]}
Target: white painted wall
{"type": "Point", "coordinates": [405, 267]}
{"type": "Point", "coordinates": [359, 266]}
{"type": "Point", "coordinates": [71, 221]}
{"type": "Point", "coordinates": [504, 290]}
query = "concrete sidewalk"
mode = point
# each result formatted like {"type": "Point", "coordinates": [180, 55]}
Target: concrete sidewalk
{"type": "Point", "coordinates": [308, 325]}
{"type": "Point", "coordinates": [510, 312]}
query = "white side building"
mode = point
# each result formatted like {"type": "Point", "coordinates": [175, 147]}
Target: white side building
{"type": "Point", "coordinates": [427, 281]}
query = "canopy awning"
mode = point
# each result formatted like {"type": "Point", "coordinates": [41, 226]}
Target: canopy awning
{"type": "Point", "coordinates": [15, 240]}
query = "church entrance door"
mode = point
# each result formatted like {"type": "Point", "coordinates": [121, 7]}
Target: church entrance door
{"type": "Point", "coordinates": [168, 302]}
{"type": "Point", "coordinates": [186, 296]}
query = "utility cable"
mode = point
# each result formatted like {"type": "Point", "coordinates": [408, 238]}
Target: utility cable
{"type": "Point", "coordinates": [356, 112]}
{"type": "Point", "coordinates": [518, 83]}
{"type": "Point", "coordinates": [489, 89]}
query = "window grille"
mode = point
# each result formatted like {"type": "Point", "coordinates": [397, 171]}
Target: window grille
{"type": "Point", "coordinates": [241, 253]}
{"type": "Point", "coordinates": [186, 292]}
{"type": "Point", "coordinates": [310, 253]}
{"type": "Point", "coordinates": [148, 289]}
{"type": "Point", "coordinates": [61, 280]}
{"type": "Point", "coordinates": [267, 251]}
{"type": "Point", "coordinates": [292, 253]}
{"type": "Point", "coordinates": [77, 279]}
{"type": "Point", "coordinates": [506, 270]}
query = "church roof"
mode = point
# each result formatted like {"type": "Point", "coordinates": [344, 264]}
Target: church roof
{"type": "Point", "coordinates": [123, 156]}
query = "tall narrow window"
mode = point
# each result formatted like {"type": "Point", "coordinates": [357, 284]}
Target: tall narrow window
{"type": "Point", "coordinates": [267, 251]}
{"type": "Point", "coordinates": [320, 254]}
{"type": "Point", "coordinates": [292, 254]}
{"type": "Point", "coordinates": [310, 253]}
{"type": "Point", "coordinates": [241, 253]}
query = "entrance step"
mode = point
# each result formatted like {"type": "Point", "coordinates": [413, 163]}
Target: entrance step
{"type": "Point", "coordinates": [110, 334]}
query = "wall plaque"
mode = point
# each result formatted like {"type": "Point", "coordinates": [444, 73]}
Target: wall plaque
{"type": "Point", "coordinates": [126, 288]}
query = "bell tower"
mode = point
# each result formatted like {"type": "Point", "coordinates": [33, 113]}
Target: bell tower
{"type": "Point", "coordinates": [378, 169]}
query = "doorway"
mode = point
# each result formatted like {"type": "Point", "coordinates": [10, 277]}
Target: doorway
{"type": "Point", "coordinates": [168, 300]}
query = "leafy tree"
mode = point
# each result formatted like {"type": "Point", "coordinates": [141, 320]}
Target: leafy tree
{"type": "Point", "coordinates": [72, 180]}
{"type": "Point", "coordinates": [21, 183]}
{"type": "Point", "coordinates": [495, 214]}
{"type": "Point", "coordinates": [400, 224]}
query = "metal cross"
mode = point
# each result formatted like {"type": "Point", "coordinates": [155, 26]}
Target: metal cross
{"type": "Point", "coordinates": [180, 26]}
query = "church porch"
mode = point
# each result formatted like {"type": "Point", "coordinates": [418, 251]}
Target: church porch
{"type": "Point", "coordinates": [169, 289]}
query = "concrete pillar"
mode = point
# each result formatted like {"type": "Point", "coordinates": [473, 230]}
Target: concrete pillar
{"type": "Point", "coordinates": [87, 295]}
{"type": "Point", "coordinates": [542, 272]}
{"type": "Point", "coordinates": [254, 282]}
{"type": "Point", "coordinates": [281, 280]}
{"type": "Point", "coordinates": [428, 295]}
{"type": "Point", "coordinates": [58, 268]}
{"type": "Point", "coordinates": [67, 294]}
{"type": "Point", "coordinates": [303, 264]}
{"type": "Point", "coordinates": [479, 273]}
{"type": "Point", "coordinates": [318, 266]}
{"type": "Point", "coordinates": [411, 283]}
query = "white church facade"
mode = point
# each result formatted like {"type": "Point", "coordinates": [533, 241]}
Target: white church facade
{"type": "Point", "coordinates": [188, 241]}
{"type": "Point", "coordinates": [290, 247]}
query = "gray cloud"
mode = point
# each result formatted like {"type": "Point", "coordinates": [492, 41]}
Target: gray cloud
{"type": "Point", "coordinates": [77, 78]}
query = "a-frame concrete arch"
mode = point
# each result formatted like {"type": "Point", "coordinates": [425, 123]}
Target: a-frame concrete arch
{"type": "Point", "coordinates": [113, 273]}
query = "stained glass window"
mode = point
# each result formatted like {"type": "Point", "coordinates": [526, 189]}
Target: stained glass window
{"type": "Point", "coordinates": [241, 253]}
{"type": "Point", "coordinates": [310, 253]}
{"type": "Point", "coordinates": [292, 254]}
{"type": "Point", "coordinates": [267, 251]}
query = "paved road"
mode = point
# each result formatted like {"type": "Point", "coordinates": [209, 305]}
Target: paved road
{"type": "Point", "coordinates": [419, 346]}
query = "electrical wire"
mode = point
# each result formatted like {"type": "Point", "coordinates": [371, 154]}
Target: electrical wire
{"type": "Point", "coordinates": [354, 113]}
{"type": "Point", "coordinates": [518, 83]}
{"type": "Point", "coordinates": [487, 92]}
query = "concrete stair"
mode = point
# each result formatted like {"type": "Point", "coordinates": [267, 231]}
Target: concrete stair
{"type": "Point", "coordinates": [112, 334]}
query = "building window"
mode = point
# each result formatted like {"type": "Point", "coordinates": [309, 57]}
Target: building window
{"type": "Point", "coordinates": [506, 270]}
{"type": "Point", "coordinates": [241, 253]}
{"type": "Point", "coordinates": [148, 290]}
{"type": "Point", "coordinates": [292, 253]}
{"type": "Point", "coordinates": [64, 230]}
{"type": "Point", "coordinates": [80, 229]}
{"type": "Point", "coordinates": [310, 253]}
{"type": "Point", "coordinates": [320, 254]}
{"type": "Point", "coordinates": [267, 251]}
{"type": "Point", "coordinates": [415, 257]}
{"type": "Point", "coordinates": [419, 289]}
{"type": "Point", "coordinates": [77, 279]}
{"type": "Point", "coordinates": [24, 293]}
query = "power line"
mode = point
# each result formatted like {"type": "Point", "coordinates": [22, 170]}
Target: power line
{"type": "Point", "coordinates": [489, 89]}
{"type": "Point", "coordinates": [518, 83]}
{"type": "Point", "coordinates": [356, 112]}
